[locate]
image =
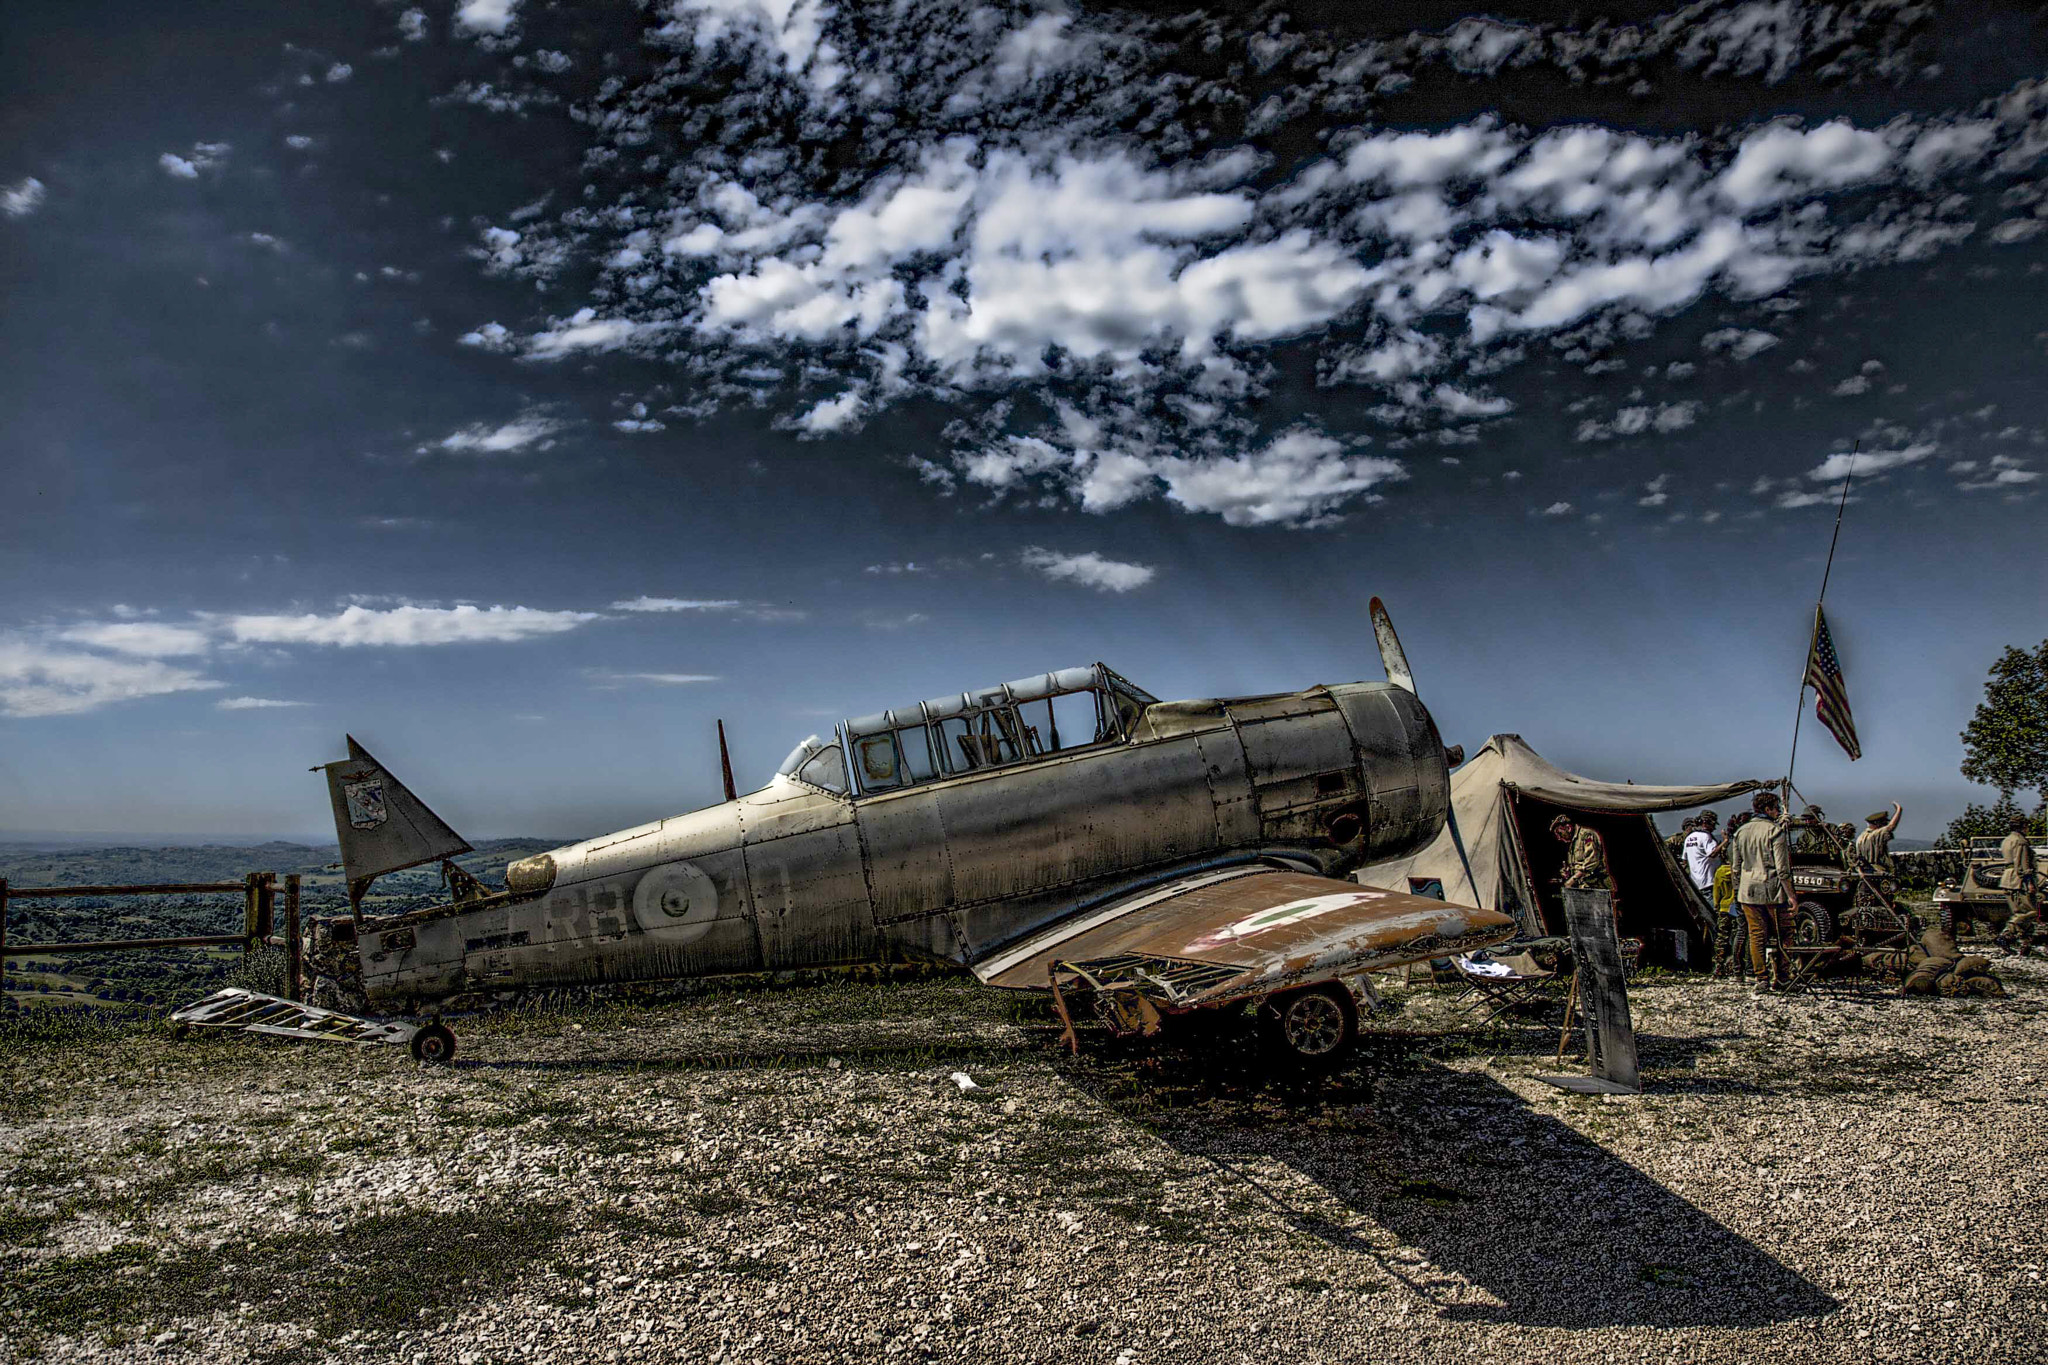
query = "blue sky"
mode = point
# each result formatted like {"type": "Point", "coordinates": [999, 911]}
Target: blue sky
{"type": "Point", "coordinates": [520, 387]}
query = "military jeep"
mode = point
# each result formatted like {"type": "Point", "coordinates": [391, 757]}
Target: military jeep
{"type": "Point", "coordinates": [1834, 902]}
{"type": "Point", "coordinates": [1975, 897]}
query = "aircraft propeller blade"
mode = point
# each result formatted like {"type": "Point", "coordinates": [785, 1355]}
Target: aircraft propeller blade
{"type": "Point", "coordinates": [1391, 654]}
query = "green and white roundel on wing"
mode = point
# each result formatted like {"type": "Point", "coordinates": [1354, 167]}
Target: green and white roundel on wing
{"type": "Point", "coordinates": [1275, 916]}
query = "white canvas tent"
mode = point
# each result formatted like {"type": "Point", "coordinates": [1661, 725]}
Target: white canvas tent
{"type": "Point", "coordinates": [1505, 797]}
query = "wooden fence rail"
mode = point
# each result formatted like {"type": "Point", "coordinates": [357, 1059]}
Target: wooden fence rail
{"type": "Point", "coordinates": [259, 905]}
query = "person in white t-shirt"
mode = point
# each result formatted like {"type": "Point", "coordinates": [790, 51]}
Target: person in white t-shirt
{"type": "Point", "coordinates": [1703, 852]}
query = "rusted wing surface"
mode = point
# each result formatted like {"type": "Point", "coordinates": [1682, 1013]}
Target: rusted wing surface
{"type": "Point", "coordinates": [1227, 935]}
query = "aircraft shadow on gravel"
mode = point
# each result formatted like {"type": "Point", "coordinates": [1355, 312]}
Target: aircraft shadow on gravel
{"type": "Point", "coordinates": [1518, 1205]}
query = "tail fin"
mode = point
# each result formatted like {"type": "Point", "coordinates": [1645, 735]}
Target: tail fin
{"type": "Point", "coordinates": [381, 826]}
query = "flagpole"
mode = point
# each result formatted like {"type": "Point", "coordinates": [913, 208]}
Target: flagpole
{"type": "Point", "coordinates": [1799, 708]}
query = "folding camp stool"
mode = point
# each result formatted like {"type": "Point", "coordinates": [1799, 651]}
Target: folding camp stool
{"type": "Point", "coordinates": [1501, 982]}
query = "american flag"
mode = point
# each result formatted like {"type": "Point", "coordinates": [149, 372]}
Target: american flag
{"type": "Point", "coordinates": [1831, 695]}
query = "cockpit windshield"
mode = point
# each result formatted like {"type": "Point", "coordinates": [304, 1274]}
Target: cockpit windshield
{"type": "Point", "coordinates": [1014, 722]}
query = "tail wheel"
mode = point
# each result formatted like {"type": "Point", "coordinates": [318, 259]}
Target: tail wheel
{"type": "Point", "coordinates": [1315, 1026]}
{"type": "Point", "coordinates": [1813, 925]}
{"type": "Point", "coordinates": [433, 1043]}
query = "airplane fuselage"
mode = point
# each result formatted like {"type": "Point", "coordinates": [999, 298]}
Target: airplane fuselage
{"type": "Point", "coordinates": [949, 865]}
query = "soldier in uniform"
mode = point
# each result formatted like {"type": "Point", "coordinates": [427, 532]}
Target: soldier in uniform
{"type": "Point", "coordinates": [1585, 862]}
{"type": "Point", "coordinates": [1763, 884]}
{"type": "Point", "coordinates": [2018, 883]}
{"type": "Point", "coordinates": [1874, 844]}
{"type": "Point", "coordinates": [1815, 839]}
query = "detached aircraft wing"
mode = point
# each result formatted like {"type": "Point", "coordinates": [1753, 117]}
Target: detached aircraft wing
{"type": "Point", "coordinates": [1222, 936]}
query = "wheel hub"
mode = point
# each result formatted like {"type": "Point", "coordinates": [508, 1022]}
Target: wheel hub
{"type": "Point", "coordinates": [1313, 1025]}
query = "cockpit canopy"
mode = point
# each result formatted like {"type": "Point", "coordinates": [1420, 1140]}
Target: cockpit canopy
{"type": "Point", "coordinates": [1014, 722]}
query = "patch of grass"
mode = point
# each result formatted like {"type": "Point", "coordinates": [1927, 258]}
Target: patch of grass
{"type": "Point", "coordinates": [379, 1273]}
{"type": "Point", "coordinates": [1308, 1284]}
{"type": "Point", "coordinates": [19, 1229]}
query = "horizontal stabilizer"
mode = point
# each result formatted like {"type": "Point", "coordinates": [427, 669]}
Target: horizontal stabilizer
{"type": "Point", "coordinates": [381, 826]}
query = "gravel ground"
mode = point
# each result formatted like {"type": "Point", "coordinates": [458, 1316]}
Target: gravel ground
{"type": "Point", "coordinates": [794, 1174]}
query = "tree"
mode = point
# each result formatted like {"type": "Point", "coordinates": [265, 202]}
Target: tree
{"type": "Point", "coordinates": [1985, 822]}
{"type": "Point", "coordinates": [2005, 745]}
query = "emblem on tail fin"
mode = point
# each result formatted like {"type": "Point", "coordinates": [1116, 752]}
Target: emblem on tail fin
{"type": "Point", "coordinates": [366, 808]}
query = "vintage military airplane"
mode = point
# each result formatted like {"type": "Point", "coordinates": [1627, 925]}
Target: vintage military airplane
{"type": "Point", "coordinates": [1066, 832]}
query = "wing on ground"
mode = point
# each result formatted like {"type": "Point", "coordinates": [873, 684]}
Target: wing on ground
{"type": "Point", "coordinates": [1242, 932]}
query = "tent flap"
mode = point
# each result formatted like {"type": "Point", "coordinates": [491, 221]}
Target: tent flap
{"type": "Point", "coordinates": [1504, 775]}
{"type": "Point", "coordinates": [1528, 771]}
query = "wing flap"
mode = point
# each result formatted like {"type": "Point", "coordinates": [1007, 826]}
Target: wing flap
{"type": "Point", "coordinates": [1225, 935]}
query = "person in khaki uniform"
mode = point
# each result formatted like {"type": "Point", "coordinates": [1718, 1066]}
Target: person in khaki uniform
{"type": "Point", "coordinates": [1874, 844]}
{"type": "Point", "coordinates": [2018, 883]}
{"type": "Point", "coordinates": [1761, 854]}
{"type": "Point", "coordinates": [1585, 862]}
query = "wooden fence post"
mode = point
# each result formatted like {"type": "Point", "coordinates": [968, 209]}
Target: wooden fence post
{"type": "Point", "coordinates": [294, 968]}
{"type": "Point", "coordinates": [252, 891]}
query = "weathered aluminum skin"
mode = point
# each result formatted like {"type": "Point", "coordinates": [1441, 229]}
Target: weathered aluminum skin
{"type": "Point", "coordinates": [1275, 928]}
{"type": "Point", "coordinates": [794, 876]}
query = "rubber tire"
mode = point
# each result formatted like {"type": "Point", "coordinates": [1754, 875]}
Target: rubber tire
{"type": "Point", "coordinates": [1813, 925]}
{"type": "Point", "coordinates": [1297, 1026]}
{"type": "Point", "coordinates": [433, 1043]}
{"type": "Point", "coordinates": [1949, 921]}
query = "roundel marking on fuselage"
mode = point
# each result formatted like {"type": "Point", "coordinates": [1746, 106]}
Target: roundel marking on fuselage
{"type": "Point", "coordinates": [675, 903]}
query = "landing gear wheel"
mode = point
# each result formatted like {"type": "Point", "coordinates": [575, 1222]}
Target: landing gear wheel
{"type": "Point", "coordinates": [1315, 1027]}
{"type": "Point", "coordinates": [433, 1043]}
{"type": "Point", "coordinates": [1813, 925]}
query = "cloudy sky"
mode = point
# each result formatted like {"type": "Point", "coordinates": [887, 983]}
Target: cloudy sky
{"type": "Point", "coordinates": [521, 385]}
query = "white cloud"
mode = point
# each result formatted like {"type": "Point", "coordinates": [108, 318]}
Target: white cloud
{"type": "Point", "coordinates": [484, 16]}
{"type": "Point", "coordinates": [36, 680]}
{"type": "Point", "coordinates": [659, 679]}
{"type": "Point", "coordinates": [584, 331]}
{"type": "Point", "coordinates": [1850, 387]}
{"type": "Point", "coordinates": [339, 72]}
{"type": "Point", "coordinates": [1557, 509]}
{"type": "Point", "coordinates": [792, 29]}
{"type": "Point", "coordinates": [149, 639]}
{"type": "Point", "coordinates": [644, 603]}
{"type": "Point", "coordinates": [509, 438]}
{"type": "Point", "coordinates": [1301, 476]}
{"type": "Point", "coordinates": [833, 415]}
{"type": "Point", "coordinates": [412, 25]}
{"type": "Point", "coordinates": [1741, 343]}
{"type": "Point", "coordinates": [1660, 418]}
{"type": "Point", "coordinates": [21, 198]}
{"type": "Point", "coordinates": [2006, 472]}
{"type": "Point", "coordinates": [1783, 162]}
{"type": "Point", "coordinates": [405, 625]}
{"type": "Point", "coordinates": [1089, 570]}
{"type": "Point", "coordinates": [203, 156]}
{"type": "Point", "coordinates": [255, 704]}
{"type": "Point", "coordinates": [1839, 464]}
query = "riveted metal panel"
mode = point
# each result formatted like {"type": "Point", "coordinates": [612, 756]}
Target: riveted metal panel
{"type": "Point", "coordinates": [910, 872]}
{"type": "Point", "coordinates": [1230, 788]}
{"type": "Point", "coordinates": [1048, 834]}
{"type": "Point", "coordinates": [810, 896]}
